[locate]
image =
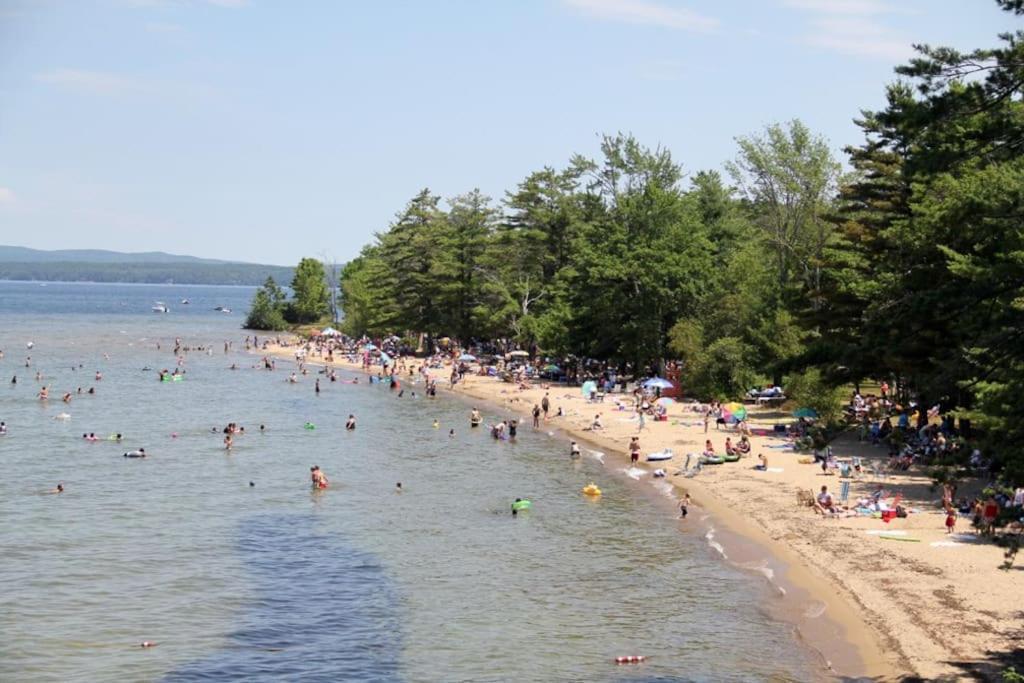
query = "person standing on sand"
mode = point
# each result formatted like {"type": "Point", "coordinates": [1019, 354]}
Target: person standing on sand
{"type": "Point", "coordinates": [536, 416]}
{"type": "Point", "coordinates": [545, 405]}
{"type": "Point", "coordinates": [707, 419]}
{"type": "Point", "coordinates": [634, 450]}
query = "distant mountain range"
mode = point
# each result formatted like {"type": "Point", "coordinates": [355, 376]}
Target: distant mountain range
{"type": "Point", "coordinates": [98, 265]}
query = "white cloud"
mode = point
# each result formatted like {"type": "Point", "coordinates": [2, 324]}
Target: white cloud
{"type": "Point", "coordinates": [95, 82]}
{"type": "Point", "coordinates": [850, 27]}
{"type": "Point", "coordinates": [644, 12]}
{"type": "Point", "coordinates": [6, 195]}
{"type": "Point", "coordinates": [862, 7]}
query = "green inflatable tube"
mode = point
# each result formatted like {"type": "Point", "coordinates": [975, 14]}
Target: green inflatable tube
{"type": "Point", "coordinates": [309, 425]}
{"type": "Point", "coordinates": [715, 460]}
{"type": "Point", "coordinates": [521, 505]}
{"type": "Point", "coordinates": [731, 458]}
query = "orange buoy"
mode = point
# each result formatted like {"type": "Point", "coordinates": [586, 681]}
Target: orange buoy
{"type": "Point", "coordinates": [630, 659]}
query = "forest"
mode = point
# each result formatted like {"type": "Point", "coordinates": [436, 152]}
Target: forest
{"type": "Point", "coordinates": [905, 264]}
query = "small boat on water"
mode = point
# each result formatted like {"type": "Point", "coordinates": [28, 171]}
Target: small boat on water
{"type": "Point", "coordinates": [185, 302]}
{"type": "Point", "coordinates": [222, 309]}
{"type": "Point", "coordinates": [160, 307]}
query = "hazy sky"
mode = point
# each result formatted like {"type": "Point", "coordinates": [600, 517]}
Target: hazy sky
{"type": "Point", "coordinates": [268, 130]}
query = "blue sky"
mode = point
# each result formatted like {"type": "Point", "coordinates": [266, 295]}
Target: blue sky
{"type": "Point", "coordinates": [268, 130]}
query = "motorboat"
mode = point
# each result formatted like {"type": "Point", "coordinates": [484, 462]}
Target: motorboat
{"type": "Point", "coordinates": [185, 302]}
{"type": "Point", "coordinates": [160, 307]}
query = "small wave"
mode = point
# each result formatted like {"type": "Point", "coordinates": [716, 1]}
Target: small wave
{"type": "Point", "coordinates": [634, 473]}
{"type": "Point", "coordinates": [665, 488]}
{"type": "Point", "coordinates": [710, 536]}
{"type": "Point", "coordinates": [598, 455]}
{"type": "Point", "coordinates": [815, 610]}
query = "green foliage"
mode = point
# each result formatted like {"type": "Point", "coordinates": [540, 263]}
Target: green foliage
{"type": "Point", "coordinates": [809, 389]}
{"type": "Point", "coordinates": [265, 313]}
{"type": "Point", "coordinates": [311, 297]}
{"type": "Point", "coordinates": [722, 370]}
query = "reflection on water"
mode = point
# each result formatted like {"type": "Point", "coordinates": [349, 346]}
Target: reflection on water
{"type": "Point", "coordinates": [322, 610]}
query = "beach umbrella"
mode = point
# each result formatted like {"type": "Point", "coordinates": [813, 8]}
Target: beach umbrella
{"type": "Point", "coordinates": [588, 388]}
{"type": "Point", "coordinates": [665, 401]}
{"type": "Point", "coordinates": [736, 411]}
{"type": "Point", "coordinates": [330, 332]}
{"type": "Point", "coordinates": [806, 412]}
{"type": "Point", "coordinates": [657, 383]}
{"type": "Point", "coordinates": [370, 347]}
{"type": "Point", "coordinates": [467, 357]}
{"type": "Point", "coordinates": [552, 368]}
{"type": "Point", "coordinates": [519, 354]}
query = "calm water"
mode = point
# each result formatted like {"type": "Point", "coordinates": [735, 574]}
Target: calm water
{"type": "Point", "coordinates": [274, 582]}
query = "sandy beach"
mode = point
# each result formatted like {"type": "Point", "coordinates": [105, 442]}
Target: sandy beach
{"type": "Point", "coordinates": [911, 599]}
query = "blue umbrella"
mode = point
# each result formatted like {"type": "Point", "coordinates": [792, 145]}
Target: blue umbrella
{"type": "Point", "coordinates": [467, 357]}
{"type": "Point", "coordinates": [806, 412]}
{"type": "Point", "coordinates": [370, 347]}
{"type": "Point", "coordinates": [657, 383]}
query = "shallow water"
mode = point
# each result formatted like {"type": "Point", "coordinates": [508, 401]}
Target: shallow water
{"type": "Point", "coordinates": [276, 582]}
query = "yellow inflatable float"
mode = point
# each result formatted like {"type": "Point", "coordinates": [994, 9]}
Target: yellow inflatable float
{"type": "Point", "coordinates": [591, 490]}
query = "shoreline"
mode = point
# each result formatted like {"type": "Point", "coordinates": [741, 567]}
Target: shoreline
{"type": "Point", "coordinates": [836, 632]}
{"type": "Point", "coordinates": [859, 653]}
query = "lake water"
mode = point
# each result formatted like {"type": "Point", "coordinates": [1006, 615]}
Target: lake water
{"type": "Point", "coordinates": [274, 582]}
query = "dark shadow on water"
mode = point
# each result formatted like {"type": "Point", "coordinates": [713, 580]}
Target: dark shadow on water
{"type": "Point", "coordinates": [322, 611]}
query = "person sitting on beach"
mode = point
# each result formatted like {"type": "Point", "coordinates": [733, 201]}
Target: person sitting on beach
{"type": "Point", "coordinates": [764, 463]}
{"type": "Point", "coordinates": [824, 504]}
{"type": "Point", "coordinates": [596, 424]}
{"type": "Point", "coordinates": [743, 447]}
{"type": "Point", "coordinates": [729, 448]}
{"type": "Point", "coordinates": [709, 449]}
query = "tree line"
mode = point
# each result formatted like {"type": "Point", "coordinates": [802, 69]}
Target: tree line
{"type": "Point", "coordinates": [908, 267]}
{"type": "Point", "coordinates": [273, 309]}
{"type": "Point", "coordinates": [153, 273]}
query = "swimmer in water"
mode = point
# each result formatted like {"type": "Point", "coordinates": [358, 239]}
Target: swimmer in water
{"type": "Point", "coordinates": [3, 428]}
{"type": "Point", "coordinates": [44, 394]}
{"type": "Point", "coordinates": [318, 477]}
{"type": "Point", "coordinates": [574, 450]}
{"type": "Point", "coordinates": [351, 423]}
{"type": "Point", "coordinates": [515, 510]}
{"type": "Point", "coordinates": [451, 433]}
{"type": "Point", "coordinates": [59, 489]}
{"type": "Point", "coordinates": [436, 424]}
{"type": "Point", "coordinates": [141, 453]}
{"type": "Point", "coordinates": [684, 506]}
{"type": "Point", "coordinates": [227, 442]}
{"type": "Point", "coordinates": [398, 487]}
{"type": "Point", "coordinates": [262, 429]}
